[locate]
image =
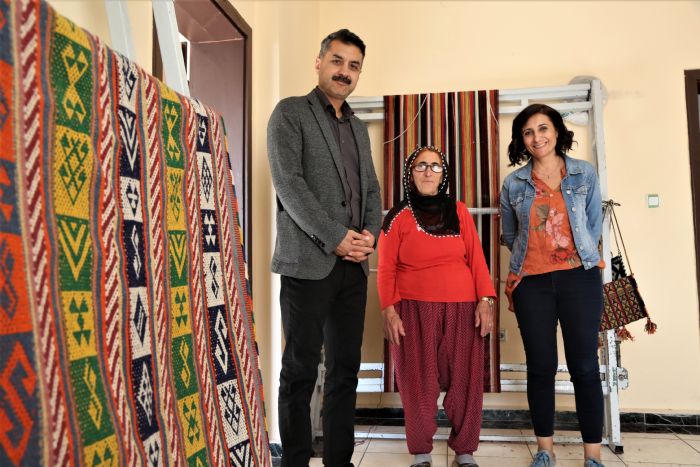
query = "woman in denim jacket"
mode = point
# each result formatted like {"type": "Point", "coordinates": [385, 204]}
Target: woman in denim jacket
{"type": "Point", "coordinates": [551, 217]}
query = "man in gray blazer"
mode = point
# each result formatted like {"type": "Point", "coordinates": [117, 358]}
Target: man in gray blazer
{"type": "Point", "coordinates": [328, 215]}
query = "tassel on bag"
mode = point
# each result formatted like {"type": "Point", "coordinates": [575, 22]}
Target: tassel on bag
{"type": "Point", "coordinates": [624, 334]}
{"type": "Point", "coordinates": [650, 327]}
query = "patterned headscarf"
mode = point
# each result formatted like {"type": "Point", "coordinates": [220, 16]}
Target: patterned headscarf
{"type": "Point", "coordinates": [437, 214]}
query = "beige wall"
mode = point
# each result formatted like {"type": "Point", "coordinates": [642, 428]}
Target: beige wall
{"type": "Point", "coordinates": [639, 50]}
{"type": "Point", "coordinates": [92, 16]}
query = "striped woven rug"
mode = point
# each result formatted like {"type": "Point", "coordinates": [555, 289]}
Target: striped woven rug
{"type": "Point", "coordinates": [465, 126]}
{"type": "Point", "coordinates": [126, 332]}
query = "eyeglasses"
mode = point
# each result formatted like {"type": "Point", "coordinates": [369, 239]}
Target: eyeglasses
{"type": "Point", "coordinates": [422, 167]}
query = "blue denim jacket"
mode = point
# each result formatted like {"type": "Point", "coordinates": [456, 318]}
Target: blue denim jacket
{"type": "Point", "coordinates": [581, 193]}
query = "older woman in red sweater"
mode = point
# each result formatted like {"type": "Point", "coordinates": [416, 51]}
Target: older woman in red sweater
{"type": "Point", "coordinates": [437, 301]}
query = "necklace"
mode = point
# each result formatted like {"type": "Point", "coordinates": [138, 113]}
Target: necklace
{"type": "Point", "coordinates": [549, 174]}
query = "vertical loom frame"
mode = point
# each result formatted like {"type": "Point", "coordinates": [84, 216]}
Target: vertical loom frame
{"type": "Point", "coordinates": [573, 98]}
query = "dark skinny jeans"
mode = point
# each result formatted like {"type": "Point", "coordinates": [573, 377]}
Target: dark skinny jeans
{"type": "Point", "coordinates": [574, 298]}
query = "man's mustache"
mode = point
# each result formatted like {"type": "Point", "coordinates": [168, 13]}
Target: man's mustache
{"type": "Point", "coordinates": [342, 79]}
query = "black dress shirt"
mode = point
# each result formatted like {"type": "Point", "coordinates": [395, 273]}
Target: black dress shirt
{"type": "Point", "coordinates": [345, 138]}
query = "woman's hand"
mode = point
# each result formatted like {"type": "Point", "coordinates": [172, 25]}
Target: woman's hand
{"type": "Point", "coordinates": [393, 326]}
{"type": "Point", "coordinates": [483, 318]}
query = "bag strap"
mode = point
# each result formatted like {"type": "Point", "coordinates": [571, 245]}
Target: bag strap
{"type": "Point", "coordinates": [615, 235]}
{"type": "Point", "coordinates": [615, 227]}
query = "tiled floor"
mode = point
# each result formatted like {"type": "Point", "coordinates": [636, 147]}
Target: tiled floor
{"type": "Point", "coordinates": [641, 450]}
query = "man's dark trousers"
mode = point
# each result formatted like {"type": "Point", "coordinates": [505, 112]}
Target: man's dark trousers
{"type": "Point", "coordinates": [328, 312]}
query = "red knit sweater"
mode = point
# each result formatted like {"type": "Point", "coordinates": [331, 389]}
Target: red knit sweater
{"type": "Point", "coordinates": [417, 266]}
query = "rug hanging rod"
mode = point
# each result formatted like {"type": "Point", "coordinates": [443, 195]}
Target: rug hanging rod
{"type": "Point", "coordinates": [568, 98]}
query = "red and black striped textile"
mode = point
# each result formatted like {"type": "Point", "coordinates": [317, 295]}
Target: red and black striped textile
{"type": "Point", "coordinates": [465, 126]}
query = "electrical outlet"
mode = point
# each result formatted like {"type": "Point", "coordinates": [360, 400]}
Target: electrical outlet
{"type": "Point", "coordinates": [502, 335]}
{"type": "Point", "coordinates": [653, 200]}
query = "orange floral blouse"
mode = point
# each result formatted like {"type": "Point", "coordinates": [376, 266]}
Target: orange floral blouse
{"type": "Point", "coordinates": [550, 245]}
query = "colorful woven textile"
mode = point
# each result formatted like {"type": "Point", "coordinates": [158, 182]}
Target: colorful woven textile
{"type": "Point", "coordinates": [126, 332]}
{"type": "Point", "coordinates": [465, 126]}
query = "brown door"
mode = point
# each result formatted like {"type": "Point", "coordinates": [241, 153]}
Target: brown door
{"type": "Point", "coordinates": [692, 102]}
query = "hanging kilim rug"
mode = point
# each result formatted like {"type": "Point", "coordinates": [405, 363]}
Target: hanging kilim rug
{"type": "Point", "coordinates": [465, 126]}
{"type": "Point", "coordinates": [126, 333]}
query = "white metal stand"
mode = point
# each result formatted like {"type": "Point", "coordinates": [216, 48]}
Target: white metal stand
{"type": "Point", "coordinates": [120, 28]}
{"type": "Point", "coordinates": [174, 73]}
{"type": "Point", "coordinates": [168, 39]}
{"type": "Point", "coordinates": [566, 99]}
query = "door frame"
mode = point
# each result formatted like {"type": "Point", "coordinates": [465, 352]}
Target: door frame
{"type": "Point", "coordinates": [692, 102]}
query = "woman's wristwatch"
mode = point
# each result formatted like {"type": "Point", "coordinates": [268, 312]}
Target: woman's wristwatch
{"type": "Point", "coordinates": [490, 300]}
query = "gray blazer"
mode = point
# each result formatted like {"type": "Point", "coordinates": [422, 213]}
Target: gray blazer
{"type": "Point", "coordinates": [306, 169]}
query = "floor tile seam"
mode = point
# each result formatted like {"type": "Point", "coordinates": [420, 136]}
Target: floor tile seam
{"type": "Point", "coordinates": [532, 454]}
{"type": "Point", "coordinates": [691, 446]}
{"type": "Point", "coordinates": [359, 463]}
{"type": "Point", "coordinates": [614, 454]}
{"type": "Point", "coordinates": [654, 463]}
{"type": "Point", "coordinates": [677, 438]}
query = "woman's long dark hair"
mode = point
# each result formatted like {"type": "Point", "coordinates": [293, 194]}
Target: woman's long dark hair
{"type": "Point", "coordinates": [517, 152]}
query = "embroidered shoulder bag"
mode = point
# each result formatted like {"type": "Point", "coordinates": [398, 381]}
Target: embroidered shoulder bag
{"type": "Point", "coordinates": [623, 303]}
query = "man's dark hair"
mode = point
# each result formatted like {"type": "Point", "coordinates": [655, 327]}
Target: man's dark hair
{"type": "Point", "coordinates": [517, 152]}
{"type": "Point", "coordinates": [346, 37]}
